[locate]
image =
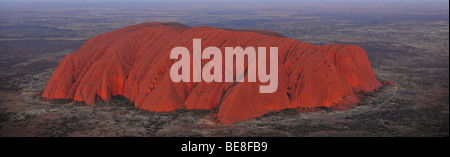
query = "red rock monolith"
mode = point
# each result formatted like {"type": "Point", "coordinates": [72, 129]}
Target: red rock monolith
{"type": "Point", "coordinates": [134, 62]}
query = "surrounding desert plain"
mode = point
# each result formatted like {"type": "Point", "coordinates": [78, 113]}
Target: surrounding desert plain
{"type": "Point", "coordinates": [407, 45]}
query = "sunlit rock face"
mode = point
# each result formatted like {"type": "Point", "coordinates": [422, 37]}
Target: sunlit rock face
{"type": "Point", "coordinates": [134, 62]}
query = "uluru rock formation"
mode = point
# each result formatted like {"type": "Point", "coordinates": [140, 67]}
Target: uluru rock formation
{"type": "Point", "coordinates": [134, 62]}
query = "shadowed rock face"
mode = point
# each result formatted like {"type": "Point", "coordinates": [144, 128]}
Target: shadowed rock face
{"type": "Point", "coordinates": [134, 62]}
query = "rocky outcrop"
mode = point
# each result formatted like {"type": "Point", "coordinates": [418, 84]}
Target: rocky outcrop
{"type": "Point", "coordinates": [134, 62]}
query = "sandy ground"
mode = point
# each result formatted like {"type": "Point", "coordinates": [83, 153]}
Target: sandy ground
{"type": "Point", "coordinates": [408, 46]}
{"type": "Point", "coordinates": [386, 112]}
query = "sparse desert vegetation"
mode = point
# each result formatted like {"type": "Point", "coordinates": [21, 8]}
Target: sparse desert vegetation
{"type": "Point", "coordinates": [408, 45]}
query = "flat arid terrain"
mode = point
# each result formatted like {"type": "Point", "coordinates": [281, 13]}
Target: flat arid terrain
{"type": "Point", "coordinates": [407, 45]}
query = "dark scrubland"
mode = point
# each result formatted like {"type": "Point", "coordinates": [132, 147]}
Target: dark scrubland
{"type": "Point", "coordinates": [406, 44]}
